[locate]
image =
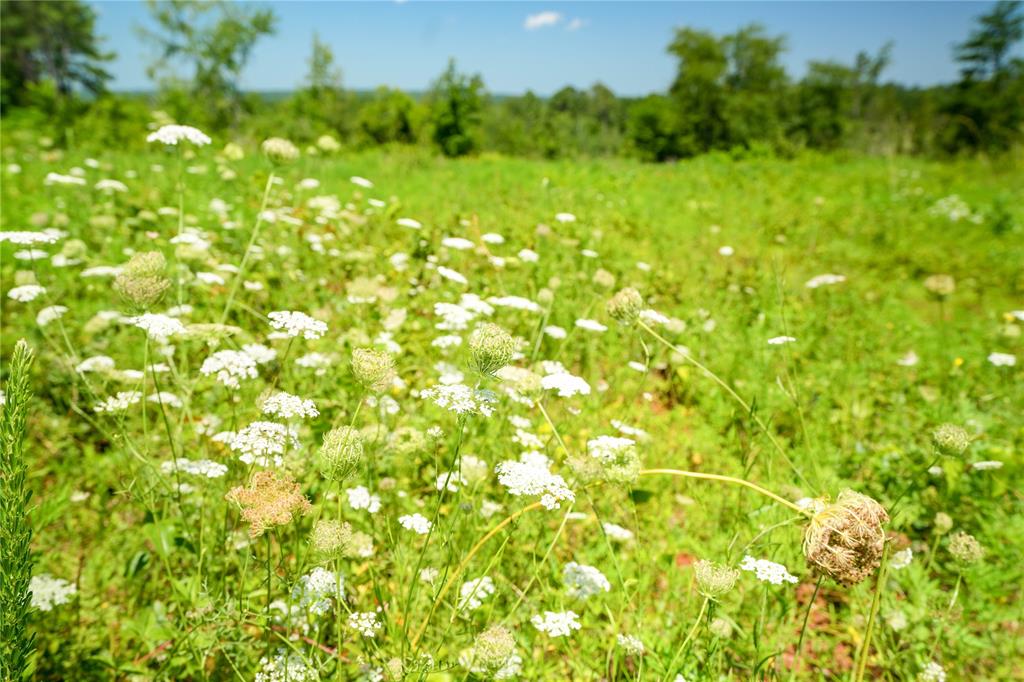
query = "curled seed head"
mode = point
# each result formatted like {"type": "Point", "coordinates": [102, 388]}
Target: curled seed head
{"type": "Point", "coordinates": [279, 150]}
{"type": "Point", "coordinates": [142, 280]}
{"type": "Point", "coordinates": [965, 548]}
{"type": "Point", "coordinates": [625, 306]}
{"type": "Point", "coordinates": [845, 540]}
{"type": "Point", "coordinates": [341, 453]}
{"type": "Point", "coordinates": [942, 523]}
{"type": "Point", "coordinates": [951, 440]}
{"type": "Point", "coordinates": [491, 649]}
{"type": "Point", "coordinates": [491, 348]}
{"type": "Point", "coordinates": [330, 538]}
{"type": "Point", "coordinates": [374, 369]}
{"type": "Point", "coordinates": [940, 286]}
{"type": "Point", "coordinates": [714, 580]}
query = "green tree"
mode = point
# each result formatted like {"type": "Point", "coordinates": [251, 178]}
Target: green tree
{"type": "Point", "coordinates": [390, 116]}
{"type": "Point", "coordinates": [53, 42]}
{"type": "Point", "coordinates": [986, 108]}
{"type": "Point", "coordinates": [698, 92]}
{"type": "Point", "coordinates": [321, 105]}
{"type": "Point", "coordinates": [456, 101]}
{"type": "Point", "coordinates": [652, 129]}
{"type": "Point", "coordinates": [215, 39]}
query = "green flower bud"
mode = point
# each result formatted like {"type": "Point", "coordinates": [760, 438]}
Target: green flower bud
{"type": "Point", "coordinates": [625, 306]}
{"type": "Point", "coordinates": [940, 286]}
{"type": "Point", "coordinates": [490, 651]}
{"type": "Point", "coordinates": [372, 368]}
{"type": "Point", "coordinates": [951, 440]}
{"type": "Point", "coordinates": [279, 150]}
{"type": "Point", "coordinates": [141, 280]}
{"type": "Point", "coordinates": [714, 580]}
{"type": "Point", "coordinates": [341, 453]}
{"type": "Point", "coordinates": [942, 523]}
{"type": "Point", "coordinates": [965, 548]}
{"type": "Point", "coordinates": [491, 348]}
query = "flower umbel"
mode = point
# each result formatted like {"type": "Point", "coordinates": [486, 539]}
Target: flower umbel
{"type": "Point", "coordinates": [269, 500]}
{"type": "Point", "coordinates": [845, 540]}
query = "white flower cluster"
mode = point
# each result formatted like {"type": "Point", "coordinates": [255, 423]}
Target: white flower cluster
{"type": "Point", "coordinates": [173, 134]}
{"type": "Point", "coordinates": [567, 385]}
{"type": "Point", "coordinates": [417, 523]}
{"type": "Point", "coordinates": [768, 571]}
{"type": "Point", "coordinates": [932, 672]}
{"type": "Point", "coordinates": [49, 314]}
{"type": "Point", "coordinates": [27, 238]}
{"type": "Point", "coordinates": [197, 467]}
{"type": "Point", "coordinates": [48, 591]}
{"type": "Point", "coordinates": [582, 581]}
{"type": "Point", "coordinates": [288, 406]}
{"type": "Point", "coordinates": [617, 533]}
{"type": "Point", "coordinates": [158, 327]}
{"type": "Point", "coordinates": [360, 498]}
{"type": "Point", "coordinates": [314, 591]}
{"type": "Point", "coordinates": [119, 402]}
{"type": "Point", "coordinates": [473, 592]}
{"type": "Point", "coordinates": [824, 280]}
{"type": "Point", "coordinates": [556, 623]}
{"type": "Point", "coordinates": [365, 623]}
{"type": "Point", "coordinates": [294, 324]}
{"type": "Point", "coordinates": [230, 367]}
{"type": "Point", "coordinates": [633, 645]}
{"type": "Point", "coordinates": [285, 668]}
{"type": "Point", "coordinates": [530, 476]}
{"type": "Point", "coordinates": [996, 359]}
{"type": "Point", "coordinates": [262, 443]}
{"type": "Point", "coordinates": [26, 293]}
{"type": "Point", "coordinates": [461, 399]}
{"type": "Point", "coordinates": [608, 449]}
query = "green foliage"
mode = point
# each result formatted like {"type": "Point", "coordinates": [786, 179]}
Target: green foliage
{"type": "Point", "coordinates": [48, 41]}
{"type": "Point", "coordinates": [214, 39]}
{"type": "Point", "coordinates": [389, 117]}
{"type": "Point", "coordinates": [456, 101]}
{"type": "Point", "coordinates": [16, 642]}
{"type": "Point", "coordinates": [170, 587]}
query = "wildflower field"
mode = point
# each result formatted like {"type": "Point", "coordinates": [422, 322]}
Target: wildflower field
{"type": "Point", "coordinates": [304, 414]}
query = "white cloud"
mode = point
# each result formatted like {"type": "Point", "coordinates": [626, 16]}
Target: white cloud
{"type": "Point", "coordinates": [576, 24]}
{"type": "Point", "coordinates": [542, 20]}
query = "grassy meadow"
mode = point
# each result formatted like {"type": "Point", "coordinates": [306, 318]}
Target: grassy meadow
{"type": "Point", "coordinates": [477, 502]}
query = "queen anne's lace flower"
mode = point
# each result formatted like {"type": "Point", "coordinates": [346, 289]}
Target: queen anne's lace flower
{"type": "Point", "coordinates": [365, 623]}
{"type": "Point", "coordinates": [173, 134]}
{"type": "Point", "coordinates": [417, 523]}
{"type": "Point", "coordinates": [461, 399]}
{"type": "Point", "coordinates": [199, 467]}
{"type": "Point", "coordinates": [360, 498]}
{"type": "Point", "coordinates": [230, 367]}
{"type": "Point", "coordinates": [288, 406]}
{"type": "Point", "coordinates": [48, 591]}
{"type": "Point", "coordinates": [158, 327]}
{"type": "Point", "coordinates": [531, 476]}
{"type": "Point", "coordinates": [314, 591]}
{"type": "Point", "coordinates": [473, 593]}
{"type": "Point", "coordinates": [295, 324]}
{"type": "Point", "coordinates": [582, 581]}
{"type": "Point", "coordinates": [262, 443]}
{"type": "Point", "coordinates": [768, 571]}
{"type": "Point", "coordinates": [556, 623]}
{"type": "Point", "coordinates": [119, 402]}
{"type": "Point", "coordinates": [285, 667]}
{"type": "Point", "coordinates": [567, 385]}
{"type": "Point", "coordinates": [26, 293]}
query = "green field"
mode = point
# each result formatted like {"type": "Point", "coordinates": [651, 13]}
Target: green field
{"type": "Point", "coordinates": [169, 585]}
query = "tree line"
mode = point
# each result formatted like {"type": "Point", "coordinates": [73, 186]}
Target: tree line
{"type": "Point", "coordinates": [730, 93]}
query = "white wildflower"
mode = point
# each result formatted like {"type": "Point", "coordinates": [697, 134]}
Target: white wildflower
{"type": "Point", "coordinates": [556, 623]}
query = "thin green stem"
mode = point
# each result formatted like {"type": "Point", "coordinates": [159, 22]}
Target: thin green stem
{"type": "Point", "coordinates": [689, 636]}
{"type": "Point", "coordinates": [240, 275]}
{"type": "Point", "coordinates": [732, 393]}
{"type": "Point", "coordinates": [727, 479]}
{"type": "Point", "coordinates": [876, 599]}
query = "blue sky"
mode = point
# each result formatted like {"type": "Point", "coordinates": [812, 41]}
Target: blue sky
{"type": "Point", "coordinates": [517, 46]}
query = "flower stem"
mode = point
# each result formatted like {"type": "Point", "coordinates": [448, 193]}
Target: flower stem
{"type": "Point", "coordinates": [248, 249]}
{"type": "Point", "coordinates": [693, 631]}
{"type": "Point", "coordinates": [732, 393]}
{"type": "Point", "coordinates": [876, 599]}
{"type": "Point", "coordinates": [727, 479]}
{"type": "Point", "coordinates": [462, 565]}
